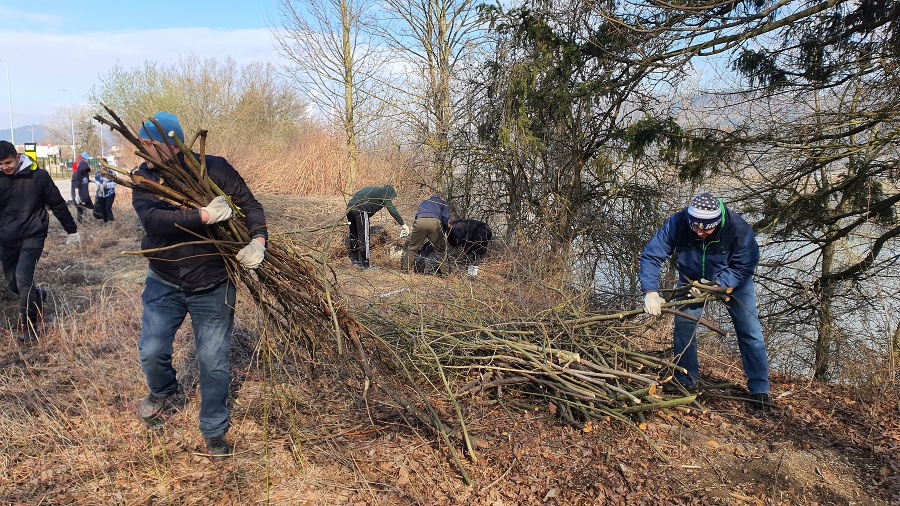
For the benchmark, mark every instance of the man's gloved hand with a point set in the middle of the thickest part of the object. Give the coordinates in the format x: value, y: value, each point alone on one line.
x: 251, y: 255
x: 73, y: 239
x: 217, y: 210
x: 77, y: 199
x: 697, y: 292
x: 404, y: 231
x: 653, y: 303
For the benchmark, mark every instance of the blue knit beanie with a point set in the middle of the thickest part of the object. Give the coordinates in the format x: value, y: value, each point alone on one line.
x: 168, y: 122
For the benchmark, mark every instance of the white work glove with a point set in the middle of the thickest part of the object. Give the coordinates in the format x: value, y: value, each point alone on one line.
x: 404, y: 231
x: 696, y: 292
x: 218, y: 210
x: 251, y: 255
x: 73, y: 239
x: 77, y: 199
x: 653, y: 303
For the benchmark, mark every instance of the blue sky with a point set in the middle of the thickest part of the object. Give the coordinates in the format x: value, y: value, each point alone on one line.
x: 67, y: 44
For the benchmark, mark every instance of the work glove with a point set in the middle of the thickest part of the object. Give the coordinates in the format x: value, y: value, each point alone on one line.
x: 218, y: 210
x: 697, y: 292
x: 77, y: 200
x: 653, y: 303
x: 251, y: 255
x: 73, y: 239
x: 404, y: 231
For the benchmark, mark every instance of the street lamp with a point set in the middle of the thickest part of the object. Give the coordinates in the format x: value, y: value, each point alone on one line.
x: 12, y: 134
x: 72, y: 117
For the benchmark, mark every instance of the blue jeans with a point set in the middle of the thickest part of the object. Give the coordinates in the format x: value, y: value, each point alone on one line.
x: 744, y: 315
x: 18, y: 268
x: 212, y: 316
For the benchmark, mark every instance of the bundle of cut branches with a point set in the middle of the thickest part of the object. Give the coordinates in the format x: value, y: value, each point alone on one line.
x: 293, y: 289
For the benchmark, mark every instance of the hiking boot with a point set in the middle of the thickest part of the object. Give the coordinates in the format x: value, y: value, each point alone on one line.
x: 759, y: 402
x: 152, y: 408
x: 218, y: 448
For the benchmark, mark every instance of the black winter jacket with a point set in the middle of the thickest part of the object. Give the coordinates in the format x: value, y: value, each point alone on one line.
x: 192, y: 267
x: 24, y: 197
x: 81, y: 178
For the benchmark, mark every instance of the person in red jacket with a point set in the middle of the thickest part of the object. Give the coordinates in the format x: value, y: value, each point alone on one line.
x: 26, y: 191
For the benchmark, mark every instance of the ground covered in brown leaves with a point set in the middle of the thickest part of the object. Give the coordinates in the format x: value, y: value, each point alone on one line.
x: 68, y: 433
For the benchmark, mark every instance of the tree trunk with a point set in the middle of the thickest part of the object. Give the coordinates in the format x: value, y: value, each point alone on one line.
x: 895, y: 346
x: 349, y: 118
x: 825, y: 329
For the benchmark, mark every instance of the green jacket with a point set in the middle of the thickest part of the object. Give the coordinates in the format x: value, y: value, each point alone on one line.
x: 371, y: 199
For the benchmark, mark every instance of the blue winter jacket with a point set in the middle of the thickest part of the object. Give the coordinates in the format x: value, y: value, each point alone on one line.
x: 729, y: 256
x: 435, y: 207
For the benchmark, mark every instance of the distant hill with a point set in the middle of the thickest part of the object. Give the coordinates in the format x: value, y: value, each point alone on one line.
x: 27, y: 133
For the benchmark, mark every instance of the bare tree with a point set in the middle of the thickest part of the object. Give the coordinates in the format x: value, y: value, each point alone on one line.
x: 73, y: 124
x: 334, y: 62
x: 431, y: 38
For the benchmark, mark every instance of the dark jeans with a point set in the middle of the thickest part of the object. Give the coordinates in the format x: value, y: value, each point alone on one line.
x: 103, y: 205
x: 358, y: 243
x: 18, y: 268
x: 83, y: 207
x: 212, y: 316
x: 744, y: 315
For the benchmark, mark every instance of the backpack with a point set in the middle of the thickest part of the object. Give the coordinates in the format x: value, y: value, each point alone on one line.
x: 426, y: 261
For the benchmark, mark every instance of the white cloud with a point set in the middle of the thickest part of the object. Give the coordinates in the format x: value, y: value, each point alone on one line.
x: 15, y: 17
x: 40, y: 65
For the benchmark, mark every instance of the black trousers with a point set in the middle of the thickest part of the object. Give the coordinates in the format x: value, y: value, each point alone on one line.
x: 18, y: 268
x: 104, y: 208
x: 358, y: 242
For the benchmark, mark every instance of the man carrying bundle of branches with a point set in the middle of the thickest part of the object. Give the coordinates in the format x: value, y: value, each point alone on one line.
x: 187, y: 274
x: 711, y: 243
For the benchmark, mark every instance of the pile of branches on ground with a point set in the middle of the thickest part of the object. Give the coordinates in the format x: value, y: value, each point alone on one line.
x: 583, y: 366
x: 576, y: 364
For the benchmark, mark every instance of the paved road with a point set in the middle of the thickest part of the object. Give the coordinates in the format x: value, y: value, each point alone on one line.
x: 65, y: 187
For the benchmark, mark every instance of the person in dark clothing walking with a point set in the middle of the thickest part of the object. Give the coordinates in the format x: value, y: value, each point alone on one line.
x: 26, y: 191
x: 186, y: 276
x: 474, y: 237
x: 81, y: 179
x: 711, y: 243
x: 431, y: 225
x: 364, y: 203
